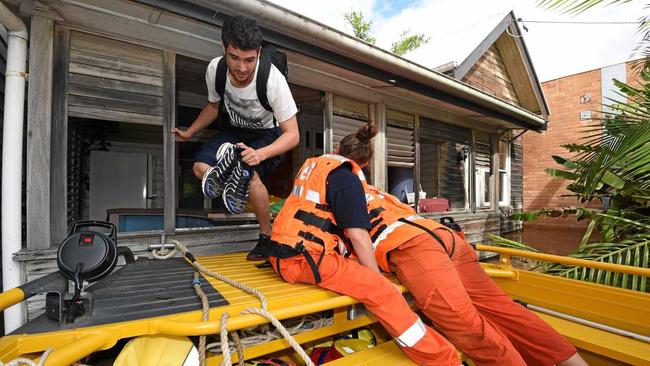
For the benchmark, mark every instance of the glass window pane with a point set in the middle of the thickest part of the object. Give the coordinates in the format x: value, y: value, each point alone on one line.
x: 400, y: 183
x: 429, y: 167
x: 503, y: 183
x: 486, y: 187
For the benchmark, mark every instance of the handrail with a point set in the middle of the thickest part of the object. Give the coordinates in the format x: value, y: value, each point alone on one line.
x: 187, y: 328
x: 78, y: 349
x: 506, y: 253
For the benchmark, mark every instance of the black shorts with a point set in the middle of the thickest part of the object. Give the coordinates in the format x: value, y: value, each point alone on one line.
x: 252, y: 138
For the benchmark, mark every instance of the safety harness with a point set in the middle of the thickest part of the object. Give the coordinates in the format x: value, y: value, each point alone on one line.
x: 305, y: 226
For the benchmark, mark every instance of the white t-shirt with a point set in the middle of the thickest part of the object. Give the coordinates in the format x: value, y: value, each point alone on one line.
x: 244, y: 108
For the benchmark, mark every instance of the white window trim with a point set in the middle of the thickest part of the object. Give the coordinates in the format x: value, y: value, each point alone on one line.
x: 466, y: 177
x: 505, y: 201
x: 479, y: 174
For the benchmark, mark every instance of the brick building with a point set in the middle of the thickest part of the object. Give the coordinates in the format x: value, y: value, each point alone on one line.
x: 574, y: 102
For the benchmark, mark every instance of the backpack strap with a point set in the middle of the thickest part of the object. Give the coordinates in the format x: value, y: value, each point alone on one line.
x: 263, y: 76
x: 220, y: 77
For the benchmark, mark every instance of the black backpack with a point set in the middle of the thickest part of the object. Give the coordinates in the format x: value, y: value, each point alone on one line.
x: 269, y: 55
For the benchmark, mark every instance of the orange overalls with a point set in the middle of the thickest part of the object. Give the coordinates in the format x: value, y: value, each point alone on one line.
x: 441, y: 271
x: 307, y: 247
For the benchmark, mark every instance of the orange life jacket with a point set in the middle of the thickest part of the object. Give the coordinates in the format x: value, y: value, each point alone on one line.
x: 394, y: 223
x: 306, y: 225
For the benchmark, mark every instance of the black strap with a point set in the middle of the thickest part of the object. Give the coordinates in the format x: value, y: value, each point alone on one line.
x: 277, y: 266
x: 375, y: 212
x: 220, y: 88
x: 325, y: 225
x: 378, y: 232
x: 283, y: 251
x: 430, y: 232
x: 323, y: 207
x: 311, y: 237
x: 263, y: 71
x: 261, y: 81
x: 376, y: 222
x: 220, y: 78
x: 313, y: 265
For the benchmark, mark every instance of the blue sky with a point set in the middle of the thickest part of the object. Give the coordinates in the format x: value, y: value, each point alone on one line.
x: 457, y: 26
x: 388, y: 8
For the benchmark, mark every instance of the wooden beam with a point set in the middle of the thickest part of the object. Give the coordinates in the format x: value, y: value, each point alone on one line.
x: 472, y: 174
x: 39, y: 119
x: 522, y: 82
x: 494, y: 179
x: 328, y: 113
x: 416, y: 170
x: 379, y: 161
x: 59, y: 148
x: 169, y: 143
x: 128, y: 20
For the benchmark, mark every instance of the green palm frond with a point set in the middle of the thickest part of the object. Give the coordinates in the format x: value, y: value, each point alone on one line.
x: 498, y: 241
x: 575, y: 6
x: 634, y: 251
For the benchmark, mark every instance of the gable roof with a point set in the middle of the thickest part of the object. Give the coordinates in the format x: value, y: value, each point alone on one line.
x: 509, y: 41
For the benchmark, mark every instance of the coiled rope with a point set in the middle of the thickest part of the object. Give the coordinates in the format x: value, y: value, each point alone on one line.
x: 25, y: 361
x: 164, y: 253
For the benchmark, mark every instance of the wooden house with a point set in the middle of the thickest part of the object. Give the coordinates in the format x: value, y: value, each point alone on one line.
x: 109, y: 79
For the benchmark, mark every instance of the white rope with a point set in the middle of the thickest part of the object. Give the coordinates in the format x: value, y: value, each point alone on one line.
x: 25, y: 361
x: 263, y: 311
x: 205, y: 316
x: 263, y: 334
x: 164, y: 253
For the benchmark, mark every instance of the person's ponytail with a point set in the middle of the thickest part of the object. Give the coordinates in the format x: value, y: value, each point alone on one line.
x: 358, y: 146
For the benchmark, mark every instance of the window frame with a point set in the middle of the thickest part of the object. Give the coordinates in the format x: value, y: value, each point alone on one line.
x: 507, y: 171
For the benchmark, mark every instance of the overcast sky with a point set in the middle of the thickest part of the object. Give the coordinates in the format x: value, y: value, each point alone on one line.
x: 456, y: 27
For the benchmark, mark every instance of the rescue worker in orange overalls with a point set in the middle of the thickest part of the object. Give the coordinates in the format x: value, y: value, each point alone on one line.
x: 441, y: 271
x: 321, y: 222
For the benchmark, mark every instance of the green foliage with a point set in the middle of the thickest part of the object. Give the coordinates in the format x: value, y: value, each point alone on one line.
x: 633, y: 251
x: 362, y: 30
x: 360, y: 25
x: 576, y: 6
x: 507, y: 243
x: 409, y: 43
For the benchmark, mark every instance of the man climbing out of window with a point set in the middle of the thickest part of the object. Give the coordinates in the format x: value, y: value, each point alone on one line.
x: 249, y: 95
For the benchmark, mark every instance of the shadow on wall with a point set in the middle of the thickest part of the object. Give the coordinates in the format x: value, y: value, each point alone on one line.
x: 544, y: 198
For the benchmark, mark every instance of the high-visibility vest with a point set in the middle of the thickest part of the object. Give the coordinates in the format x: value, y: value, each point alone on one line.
x: 394, y: 223
x: 306, y: 224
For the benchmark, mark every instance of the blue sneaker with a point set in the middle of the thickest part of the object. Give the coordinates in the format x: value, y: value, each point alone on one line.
x: 214, y: 180
x: 235, y: 194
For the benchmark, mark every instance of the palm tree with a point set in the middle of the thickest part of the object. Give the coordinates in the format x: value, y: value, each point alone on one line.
x: 611, y: 164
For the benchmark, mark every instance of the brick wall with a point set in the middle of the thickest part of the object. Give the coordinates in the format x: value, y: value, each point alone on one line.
x: 567, y: 97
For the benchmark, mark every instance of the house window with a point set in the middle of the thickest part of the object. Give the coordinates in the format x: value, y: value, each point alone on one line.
x: 430, y: 166
x: 400, y: 155
x: 482, y: 187
x: 504, y: 173
x: 444, y: 157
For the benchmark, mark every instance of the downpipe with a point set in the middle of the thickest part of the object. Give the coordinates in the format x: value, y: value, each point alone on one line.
x: 12, y: 162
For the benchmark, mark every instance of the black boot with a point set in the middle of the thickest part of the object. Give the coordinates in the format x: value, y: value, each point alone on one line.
x: 259, y: 253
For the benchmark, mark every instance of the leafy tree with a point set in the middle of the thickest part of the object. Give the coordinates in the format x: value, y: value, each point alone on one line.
x: 408, y: 42
x: 360, y: 25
